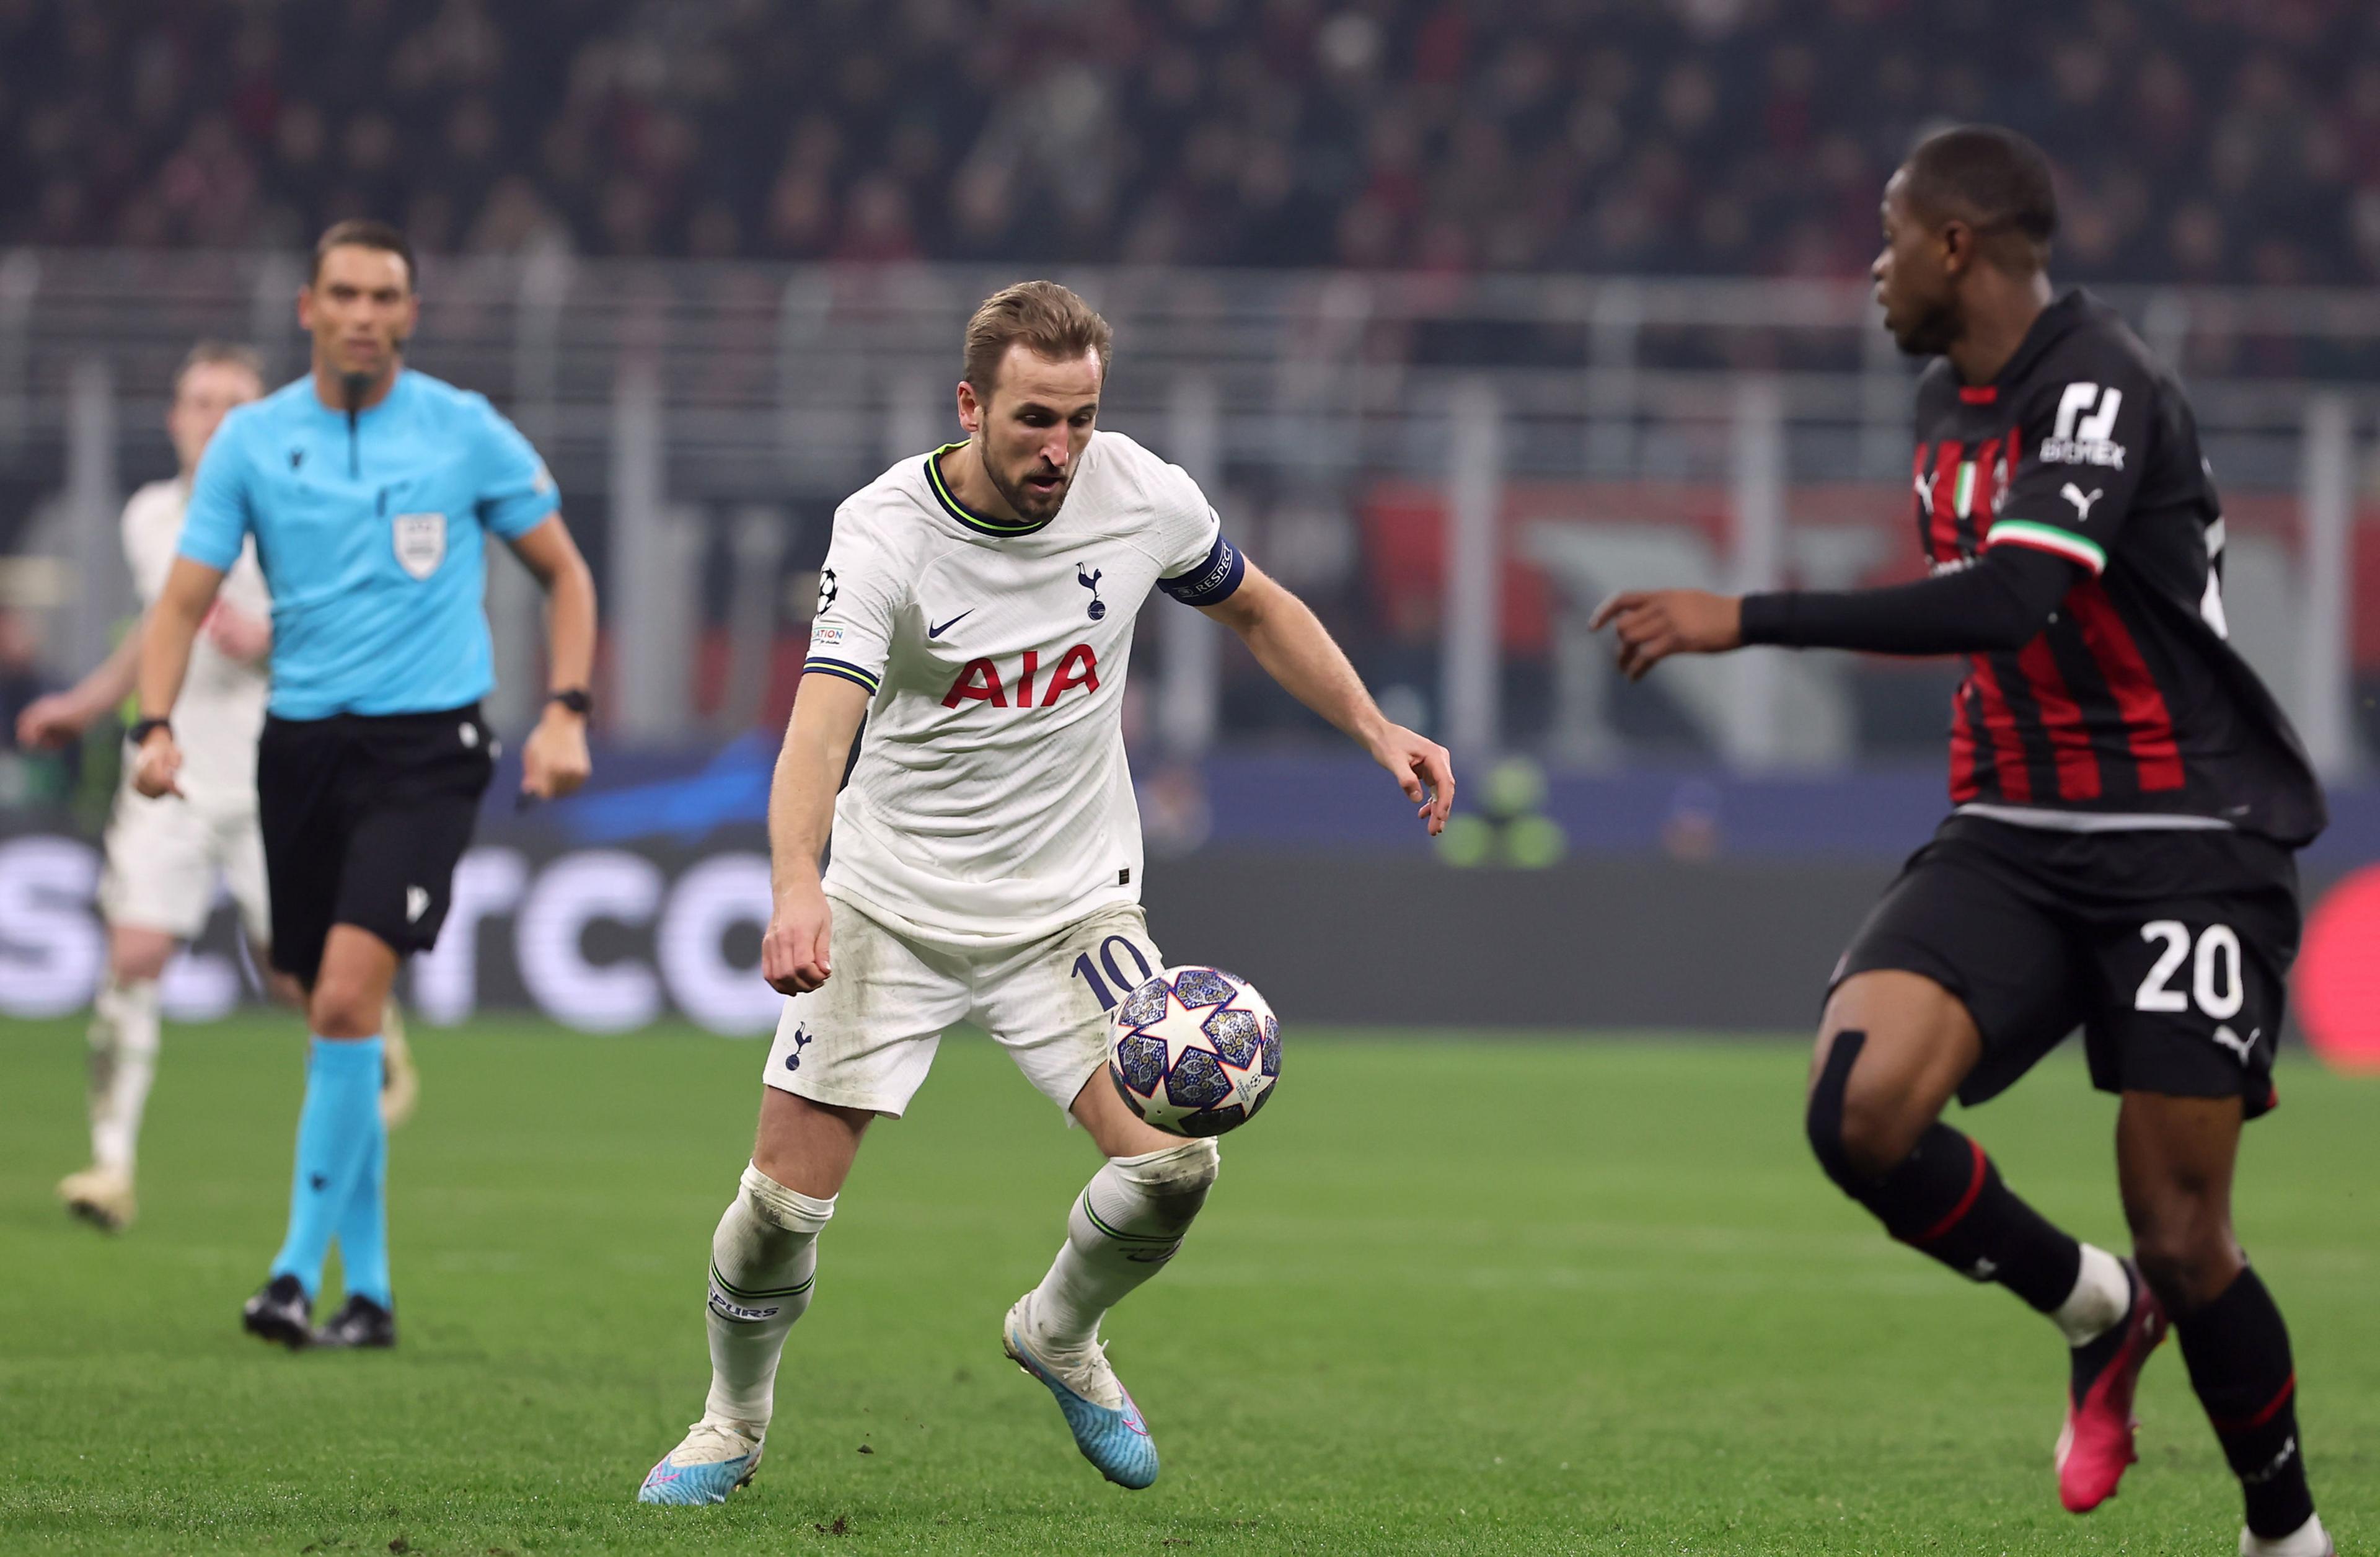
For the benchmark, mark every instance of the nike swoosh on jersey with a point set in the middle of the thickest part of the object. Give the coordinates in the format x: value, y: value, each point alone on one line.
x: 932, y: 631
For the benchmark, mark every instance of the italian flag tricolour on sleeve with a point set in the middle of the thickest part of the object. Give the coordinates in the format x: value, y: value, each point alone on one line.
x: 2049, y: 538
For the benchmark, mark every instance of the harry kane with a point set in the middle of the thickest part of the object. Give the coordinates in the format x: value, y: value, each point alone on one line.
x: 978, y: 604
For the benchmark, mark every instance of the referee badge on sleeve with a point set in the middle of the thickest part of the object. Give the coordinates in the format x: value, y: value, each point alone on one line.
x: 420, y: 543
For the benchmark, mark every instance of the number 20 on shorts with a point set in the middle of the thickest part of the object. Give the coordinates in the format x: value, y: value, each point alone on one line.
x: 2217, y: 982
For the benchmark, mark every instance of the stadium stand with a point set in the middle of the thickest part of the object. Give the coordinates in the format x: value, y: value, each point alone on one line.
x: 2211, y: 140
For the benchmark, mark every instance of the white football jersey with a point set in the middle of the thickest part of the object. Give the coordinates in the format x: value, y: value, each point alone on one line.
x: 220, y: 711
x: 992, y: 803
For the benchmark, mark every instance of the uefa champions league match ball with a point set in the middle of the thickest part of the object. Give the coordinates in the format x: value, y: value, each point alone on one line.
x: 1194, y: 1051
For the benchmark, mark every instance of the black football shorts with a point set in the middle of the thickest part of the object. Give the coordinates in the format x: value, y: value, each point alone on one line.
x: 364, y: 820
x: 2169, y: 949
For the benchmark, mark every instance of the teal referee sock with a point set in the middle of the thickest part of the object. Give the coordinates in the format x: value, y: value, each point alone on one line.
x: 363, y: 1226
x: 339, y: 1133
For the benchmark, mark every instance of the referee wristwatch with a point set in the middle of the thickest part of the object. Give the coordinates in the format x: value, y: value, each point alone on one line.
x: 575, y: 698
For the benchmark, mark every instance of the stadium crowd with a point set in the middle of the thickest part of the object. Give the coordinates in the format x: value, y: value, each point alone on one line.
x: 2199, y: 139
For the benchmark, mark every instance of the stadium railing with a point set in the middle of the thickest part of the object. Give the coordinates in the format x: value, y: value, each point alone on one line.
x: 1453, y: 466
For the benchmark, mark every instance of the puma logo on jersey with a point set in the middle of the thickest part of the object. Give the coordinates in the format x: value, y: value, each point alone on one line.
x: 1090, y: 580
x: 417, y: 903
x: 2081, y: 439
x: 979, y: 680
x: 2073, y: 494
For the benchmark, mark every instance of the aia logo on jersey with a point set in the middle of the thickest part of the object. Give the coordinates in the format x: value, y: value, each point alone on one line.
x: 979, y: 680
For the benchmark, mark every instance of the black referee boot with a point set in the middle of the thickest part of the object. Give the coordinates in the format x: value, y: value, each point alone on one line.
x: 361, y: 1323
x: 280, y: 1311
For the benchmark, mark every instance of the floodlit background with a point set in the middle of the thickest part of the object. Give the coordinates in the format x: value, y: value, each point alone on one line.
x: 1464, y: 314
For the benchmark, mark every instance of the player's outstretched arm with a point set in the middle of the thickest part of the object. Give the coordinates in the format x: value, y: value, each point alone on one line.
x: 1999, y: 603
x: 59, y: 717
x: 165, y: 639
x: 1652, y: 625
x: 1297, y: 651
x: 554, y: 758
x: 795, y: 956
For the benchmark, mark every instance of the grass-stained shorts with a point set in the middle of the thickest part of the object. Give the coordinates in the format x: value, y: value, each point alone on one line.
x: 867, y: 1037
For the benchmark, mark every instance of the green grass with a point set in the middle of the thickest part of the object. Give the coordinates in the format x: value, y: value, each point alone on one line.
x: 1449, y: 1295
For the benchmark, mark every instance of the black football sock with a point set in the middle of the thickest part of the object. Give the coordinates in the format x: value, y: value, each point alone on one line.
x: 2238, y: 1350
x: 1946, y: 1200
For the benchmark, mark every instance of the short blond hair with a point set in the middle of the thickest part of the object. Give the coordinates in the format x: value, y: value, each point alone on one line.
x: 220, y: 354
x: 1048, y: 320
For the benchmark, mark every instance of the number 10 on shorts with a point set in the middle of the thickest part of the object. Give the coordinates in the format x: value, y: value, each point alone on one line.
x: 1118, y: 983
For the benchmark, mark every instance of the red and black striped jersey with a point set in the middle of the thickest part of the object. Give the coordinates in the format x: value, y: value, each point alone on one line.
x: 2131, y: 702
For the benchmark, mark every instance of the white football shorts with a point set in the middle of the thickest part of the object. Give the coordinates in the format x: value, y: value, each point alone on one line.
x: 164, y: 856
x: 867, y: 1037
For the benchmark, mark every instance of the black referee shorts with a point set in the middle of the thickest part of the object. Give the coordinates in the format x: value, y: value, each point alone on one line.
x: 364, y: 820
x: 2170, y: 949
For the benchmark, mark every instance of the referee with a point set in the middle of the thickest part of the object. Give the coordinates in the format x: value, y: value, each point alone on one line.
x: 367, y: 488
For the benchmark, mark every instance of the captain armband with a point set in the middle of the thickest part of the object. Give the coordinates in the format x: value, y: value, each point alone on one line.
x: 1212, y: 581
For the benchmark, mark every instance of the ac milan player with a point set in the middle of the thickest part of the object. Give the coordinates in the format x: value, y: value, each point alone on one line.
x: 2127, y: 798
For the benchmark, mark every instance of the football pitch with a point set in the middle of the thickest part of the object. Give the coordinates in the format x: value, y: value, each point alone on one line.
x: 1452, y: 1293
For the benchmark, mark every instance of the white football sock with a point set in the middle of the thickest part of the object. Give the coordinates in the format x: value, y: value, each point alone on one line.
x: 763, y: 1259
x: 123, y: 1063
x: 2309, y: 1539
x: 1125, y: 1225
x: 2102, y: 1297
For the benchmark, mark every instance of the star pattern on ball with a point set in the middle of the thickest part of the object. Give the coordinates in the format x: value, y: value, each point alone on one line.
x: 1194, y: 1051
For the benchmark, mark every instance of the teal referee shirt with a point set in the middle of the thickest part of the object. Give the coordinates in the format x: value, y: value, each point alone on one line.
x: 369, y: 531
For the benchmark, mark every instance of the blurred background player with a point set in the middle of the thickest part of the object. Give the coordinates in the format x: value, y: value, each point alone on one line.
x: 987, y: 850
x: 2128, y: 799
x: 165, y: 855
x: 366, y: 488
